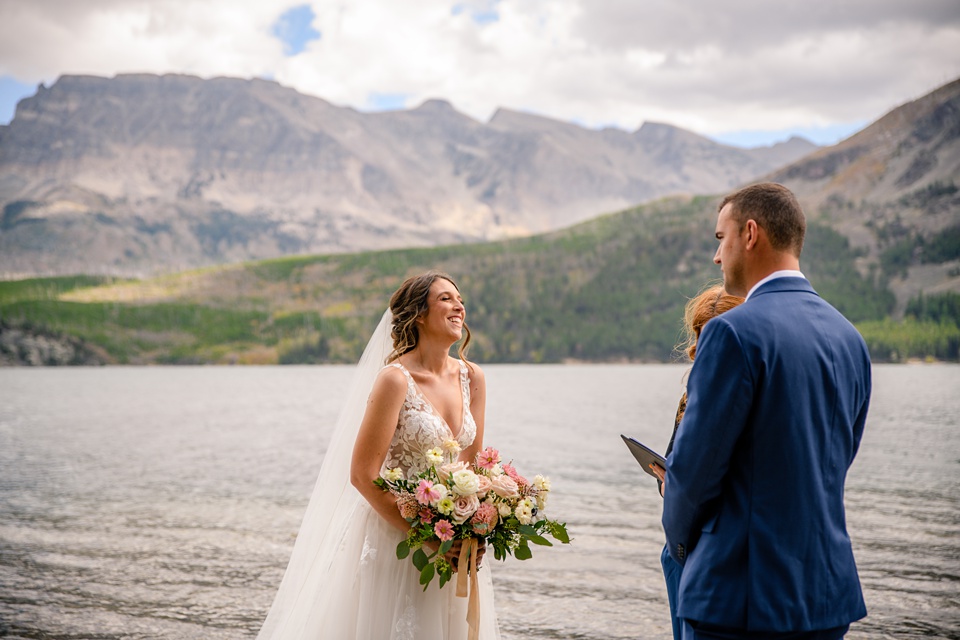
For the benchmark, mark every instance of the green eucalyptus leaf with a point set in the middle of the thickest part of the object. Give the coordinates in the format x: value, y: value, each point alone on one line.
x: 559, y: 531
x: 403, y: 549
x: 540, y: 540
x: 420, y: 559
x: 426, y: 575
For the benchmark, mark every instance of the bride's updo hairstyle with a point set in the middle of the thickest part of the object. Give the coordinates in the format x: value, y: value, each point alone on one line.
x: 410, y: 302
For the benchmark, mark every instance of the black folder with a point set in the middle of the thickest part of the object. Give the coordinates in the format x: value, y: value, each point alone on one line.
x: 644, y: 455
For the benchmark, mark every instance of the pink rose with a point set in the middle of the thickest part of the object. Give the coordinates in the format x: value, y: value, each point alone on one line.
x: 485, y: 486
x: 504, y: 486
x: 449, y: 469
x: 444, y: 530
x: 485, y: 519
x: 464, y: 507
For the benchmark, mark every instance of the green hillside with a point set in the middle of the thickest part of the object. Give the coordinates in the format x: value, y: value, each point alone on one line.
x: 611, y: 289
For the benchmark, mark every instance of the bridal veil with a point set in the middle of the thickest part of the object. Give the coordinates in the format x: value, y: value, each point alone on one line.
x: 332, y: 505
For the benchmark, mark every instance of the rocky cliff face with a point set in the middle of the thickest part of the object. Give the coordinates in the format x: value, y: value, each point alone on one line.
x: 141, y: 173
x: 893, y: 190
x: 911, y: 147
x: 33, y: 347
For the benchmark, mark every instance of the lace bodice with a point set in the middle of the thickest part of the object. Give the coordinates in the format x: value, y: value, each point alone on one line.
x: 420, y: 428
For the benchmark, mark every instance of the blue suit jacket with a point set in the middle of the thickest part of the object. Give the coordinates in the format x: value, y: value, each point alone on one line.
x: 753, y: 505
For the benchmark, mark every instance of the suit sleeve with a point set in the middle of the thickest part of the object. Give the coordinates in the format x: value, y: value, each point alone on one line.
x: 861, y: 420
x: 719, y: 397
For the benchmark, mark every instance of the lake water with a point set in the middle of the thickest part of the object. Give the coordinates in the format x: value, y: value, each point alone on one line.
x: 163, y: 502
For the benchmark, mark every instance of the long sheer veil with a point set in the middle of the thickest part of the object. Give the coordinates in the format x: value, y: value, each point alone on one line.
x: 331, y: 505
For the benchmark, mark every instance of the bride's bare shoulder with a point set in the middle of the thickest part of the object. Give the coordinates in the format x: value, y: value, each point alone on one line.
x: 391, y: 380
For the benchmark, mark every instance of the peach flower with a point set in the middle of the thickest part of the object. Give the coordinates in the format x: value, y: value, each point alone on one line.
x: 464, y: 507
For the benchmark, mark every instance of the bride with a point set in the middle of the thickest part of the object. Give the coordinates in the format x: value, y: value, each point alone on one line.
x: 344, y: 581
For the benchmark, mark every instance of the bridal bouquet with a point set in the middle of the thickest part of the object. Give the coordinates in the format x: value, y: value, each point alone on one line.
x: 455, y: 500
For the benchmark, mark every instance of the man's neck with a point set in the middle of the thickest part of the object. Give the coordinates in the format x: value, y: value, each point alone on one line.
x: 782, y: 273
x: 766, y: 263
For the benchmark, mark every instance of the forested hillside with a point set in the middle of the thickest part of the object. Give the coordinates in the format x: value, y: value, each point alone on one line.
x: 611, y: 289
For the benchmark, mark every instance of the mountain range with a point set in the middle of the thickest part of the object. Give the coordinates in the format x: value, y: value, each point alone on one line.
x: 883, y: 246
x: 141, y: 174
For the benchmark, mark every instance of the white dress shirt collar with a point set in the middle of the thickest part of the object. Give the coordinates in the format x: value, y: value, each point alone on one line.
x: 786, y: 273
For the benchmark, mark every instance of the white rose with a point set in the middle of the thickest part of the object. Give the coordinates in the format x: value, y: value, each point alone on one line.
x: 497, y: 470
x: 465, y: 482
x: 524, y: 511
x: 442, y: 492
x: 463, y: 508
x: 504, y: 509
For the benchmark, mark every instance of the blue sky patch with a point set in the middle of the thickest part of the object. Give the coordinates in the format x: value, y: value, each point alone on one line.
x: 387, y: 101
x: 11, y: 92
x: 823, y: 136
x: 481, y: 16
x: 295, y: 29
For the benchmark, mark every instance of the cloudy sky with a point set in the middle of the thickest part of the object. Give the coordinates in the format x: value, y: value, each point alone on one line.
x: 743, y: 71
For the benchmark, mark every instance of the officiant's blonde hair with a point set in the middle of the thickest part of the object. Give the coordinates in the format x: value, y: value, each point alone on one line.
x: 409, y: 302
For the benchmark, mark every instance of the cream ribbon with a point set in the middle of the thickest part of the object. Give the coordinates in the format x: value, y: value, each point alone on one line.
x: 467, y: 564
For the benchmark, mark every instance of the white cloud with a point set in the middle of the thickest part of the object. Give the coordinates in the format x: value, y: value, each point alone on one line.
x: 43, y: 39
x: 711, y: 67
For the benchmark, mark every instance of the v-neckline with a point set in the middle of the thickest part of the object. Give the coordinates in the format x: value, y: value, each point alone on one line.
x: 433, y: 409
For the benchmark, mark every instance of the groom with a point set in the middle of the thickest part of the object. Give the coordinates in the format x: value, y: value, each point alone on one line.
x: 776, y: 404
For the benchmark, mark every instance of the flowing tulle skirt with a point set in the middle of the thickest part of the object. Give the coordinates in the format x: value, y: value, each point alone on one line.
x: 371, y: 595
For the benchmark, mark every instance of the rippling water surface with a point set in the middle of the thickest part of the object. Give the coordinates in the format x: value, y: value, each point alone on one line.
x: 163, y: 502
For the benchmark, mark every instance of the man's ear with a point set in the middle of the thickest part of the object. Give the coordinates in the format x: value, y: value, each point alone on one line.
x: 753, y: 234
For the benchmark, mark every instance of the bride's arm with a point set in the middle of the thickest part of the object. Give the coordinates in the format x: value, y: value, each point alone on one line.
x: 373, y: 441
x: 478, y: 407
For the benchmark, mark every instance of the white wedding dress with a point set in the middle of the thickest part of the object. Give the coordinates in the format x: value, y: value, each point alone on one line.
x: 352, y: 586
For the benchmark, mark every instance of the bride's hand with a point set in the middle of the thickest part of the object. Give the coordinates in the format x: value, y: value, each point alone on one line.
x: 481, y: 549
x: 453, y: 555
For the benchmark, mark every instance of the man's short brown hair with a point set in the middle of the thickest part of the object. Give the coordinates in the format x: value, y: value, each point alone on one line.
x: 775, y: 209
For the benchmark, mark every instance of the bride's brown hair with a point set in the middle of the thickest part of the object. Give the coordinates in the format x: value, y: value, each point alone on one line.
x: 410, y: 302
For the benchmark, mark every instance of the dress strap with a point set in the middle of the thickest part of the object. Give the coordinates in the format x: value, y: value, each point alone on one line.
x: 465, y: 383
x: 411, y: 385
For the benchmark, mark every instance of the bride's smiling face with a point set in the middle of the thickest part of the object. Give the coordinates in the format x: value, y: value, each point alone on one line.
x: 445, y: 311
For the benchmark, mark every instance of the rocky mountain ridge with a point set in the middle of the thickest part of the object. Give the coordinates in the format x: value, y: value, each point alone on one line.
x: 141, y: 174
x: 893, y: 189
